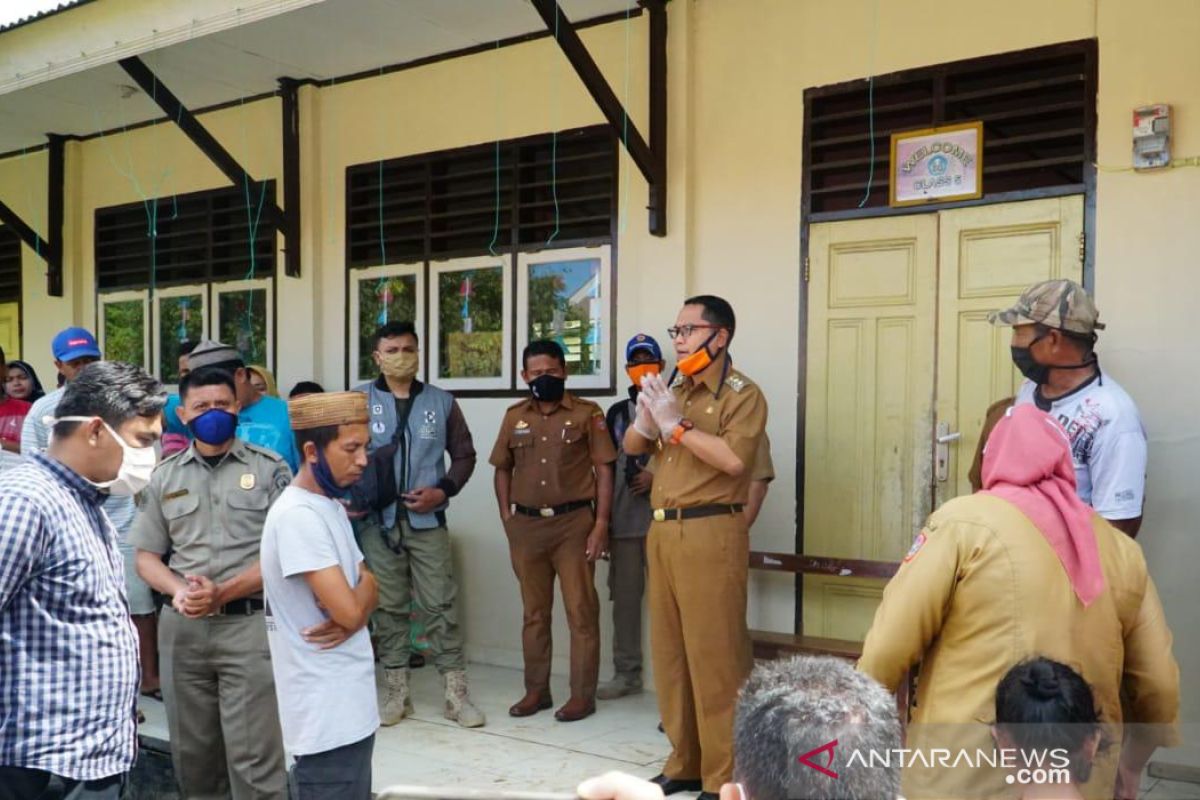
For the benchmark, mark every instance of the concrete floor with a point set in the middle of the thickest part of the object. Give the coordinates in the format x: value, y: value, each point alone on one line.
x: 535, y: 753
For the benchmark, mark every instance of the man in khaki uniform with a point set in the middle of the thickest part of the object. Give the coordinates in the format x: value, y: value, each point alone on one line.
x: 206, y: 506
x: 981, y: 590
x: 554, y: 484
x: 705, y: 433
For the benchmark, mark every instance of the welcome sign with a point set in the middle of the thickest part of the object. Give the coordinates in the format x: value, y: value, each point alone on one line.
x: 937, y: 165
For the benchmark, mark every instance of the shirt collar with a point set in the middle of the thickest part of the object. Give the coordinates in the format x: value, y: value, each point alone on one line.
x: 382, y: 385
x: 567, y: 403
x: 238, y: 451
x: 71, y: 479
x: 714, y: 376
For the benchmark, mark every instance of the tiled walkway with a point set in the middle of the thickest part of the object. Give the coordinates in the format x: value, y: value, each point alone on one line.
x: 535, y: 753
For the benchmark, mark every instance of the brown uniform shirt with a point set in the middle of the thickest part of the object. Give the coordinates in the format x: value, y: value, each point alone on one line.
x: 552, y: 456
x: 733, y: 409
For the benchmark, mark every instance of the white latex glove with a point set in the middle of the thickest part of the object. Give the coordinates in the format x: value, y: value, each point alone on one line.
x: 643, y: 421
x: 661, y: 402
x: 618, y: 786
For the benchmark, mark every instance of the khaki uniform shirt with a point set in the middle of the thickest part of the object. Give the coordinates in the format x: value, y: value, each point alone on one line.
x: 764, y: 467
x: 733, y: 409
x: 552, y: 456
x: 982, y: 590
x: 210, y: 518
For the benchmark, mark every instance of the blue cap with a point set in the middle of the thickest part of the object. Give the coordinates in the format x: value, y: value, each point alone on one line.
x: 74, y: 343
x: 643, y: 342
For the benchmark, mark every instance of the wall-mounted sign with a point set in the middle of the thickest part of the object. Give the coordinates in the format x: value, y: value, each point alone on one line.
x: 937, y: 165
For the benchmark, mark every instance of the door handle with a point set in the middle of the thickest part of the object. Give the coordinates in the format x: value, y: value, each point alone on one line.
x: 944, y: 439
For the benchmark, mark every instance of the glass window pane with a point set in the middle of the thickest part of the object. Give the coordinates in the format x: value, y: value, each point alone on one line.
x: 243, y: 316
x: 124, y: 331
x: 179, y: 319
x: 380, y: 301
x: 471, y: 323
x: 564, y: 305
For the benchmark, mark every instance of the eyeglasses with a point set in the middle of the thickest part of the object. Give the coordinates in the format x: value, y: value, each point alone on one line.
x: 686, y: 330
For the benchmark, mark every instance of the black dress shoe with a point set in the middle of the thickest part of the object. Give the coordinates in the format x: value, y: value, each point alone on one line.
x: 672, y: 786
x: 707, y: 796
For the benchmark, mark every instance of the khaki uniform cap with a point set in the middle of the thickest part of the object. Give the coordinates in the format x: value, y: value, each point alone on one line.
x: 1060, y: 304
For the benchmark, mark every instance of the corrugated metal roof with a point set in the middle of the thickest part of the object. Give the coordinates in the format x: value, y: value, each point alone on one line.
x: 8, y: 24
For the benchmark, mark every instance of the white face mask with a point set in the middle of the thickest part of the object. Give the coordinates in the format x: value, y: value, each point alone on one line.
x: 137, y: 463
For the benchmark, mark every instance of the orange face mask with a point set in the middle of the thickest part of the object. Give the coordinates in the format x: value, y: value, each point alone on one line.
x: 639, y: 371
x: 699, y: 360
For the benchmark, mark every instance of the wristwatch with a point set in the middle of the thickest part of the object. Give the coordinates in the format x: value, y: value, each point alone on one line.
x: 680, y: 429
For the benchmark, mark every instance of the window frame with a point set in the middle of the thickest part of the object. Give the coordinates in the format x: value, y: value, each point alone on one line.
x: 354, y: 278
x: 154, y: 322
x: 604, y: 380
x: 506, y: 378
x: 125, y: 296
x: 231, y: 287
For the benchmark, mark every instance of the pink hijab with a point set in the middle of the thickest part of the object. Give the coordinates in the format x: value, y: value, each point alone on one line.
x: 1028, y: 463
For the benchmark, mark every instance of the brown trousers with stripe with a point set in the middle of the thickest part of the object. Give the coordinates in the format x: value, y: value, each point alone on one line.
x: 698, y: 639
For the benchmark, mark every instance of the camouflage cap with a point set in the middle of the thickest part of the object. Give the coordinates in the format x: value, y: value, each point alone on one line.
x: 1061, y: 304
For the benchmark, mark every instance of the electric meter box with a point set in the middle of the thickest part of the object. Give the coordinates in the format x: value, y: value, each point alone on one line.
x: 1152, y: 136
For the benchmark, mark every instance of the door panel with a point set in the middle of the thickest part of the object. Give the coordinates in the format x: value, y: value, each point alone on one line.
x: 987, y: 256
x: 872, y: 302
x: 10, y: 330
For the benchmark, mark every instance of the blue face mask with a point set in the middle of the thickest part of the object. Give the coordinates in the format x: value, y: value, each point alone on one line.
x: 324, y: 477
x: 215, y: 426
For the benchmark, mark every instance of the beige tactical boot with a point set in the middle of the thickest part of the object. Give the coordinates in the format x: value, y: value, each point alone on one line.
x: 620, y: 686
x: 458, y: 701
x: 395, y: 704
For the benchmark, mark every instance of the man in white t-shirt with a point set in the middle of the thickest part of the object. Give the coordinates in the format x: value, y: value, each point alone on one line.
x: 319, y: 596
x: 1054, y: 334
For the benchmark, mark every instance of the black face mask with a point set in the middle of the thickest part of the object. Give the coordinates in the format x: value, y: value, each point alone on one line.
x: 1036, y: 371
x: 1028, y: 365
x: 547, y: 388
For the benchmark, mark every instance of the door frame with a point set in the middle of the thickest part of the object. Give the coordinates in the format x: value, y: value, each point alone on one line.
x: 1090, y: 51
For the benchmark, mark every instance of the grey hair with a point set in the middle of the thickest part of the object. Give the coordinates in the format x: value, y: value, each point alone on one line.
x: 114, y: 391
x: 791, y: 707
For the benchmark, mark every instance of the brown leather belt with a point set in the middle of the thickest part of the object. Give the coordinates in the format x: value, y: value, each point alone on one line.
x: 552, y: 511
x: 696, y: 512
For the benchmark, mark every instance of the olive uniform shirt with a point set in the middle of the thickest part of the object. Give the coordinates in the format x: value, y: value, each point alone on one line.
x: 553, y: 456
x: 210, y: 518
x: 733, y: 409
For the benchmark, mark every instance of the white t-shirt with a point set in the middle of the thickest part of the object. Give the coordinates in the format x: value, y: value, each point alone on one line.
x: 1108, y: 445
x: 326, y: 697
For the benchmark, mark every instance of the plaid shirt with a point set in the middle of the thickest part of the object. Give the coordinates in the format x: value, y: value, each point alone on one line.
x: 68, y: 649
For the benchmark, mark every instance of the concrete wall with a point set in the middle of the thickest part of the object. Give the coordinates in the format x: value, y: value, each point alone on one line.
x: 737, y: 74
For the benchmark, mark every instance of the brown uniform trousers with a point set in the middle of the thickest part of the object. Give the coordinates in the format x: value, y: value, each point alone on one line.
x: 553, y: 458
x: 698, y: 573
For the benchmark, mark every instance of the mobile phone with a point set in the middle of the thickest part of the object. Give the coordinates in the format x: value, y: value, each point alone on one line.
x: 458, y: 793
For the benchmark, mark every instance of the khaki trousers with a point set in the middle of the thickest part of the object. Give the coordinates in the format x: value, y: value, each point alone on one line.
x: 421, y: 572
x: 698, y: 639
x: 542, y: 548
x: 221, y: 709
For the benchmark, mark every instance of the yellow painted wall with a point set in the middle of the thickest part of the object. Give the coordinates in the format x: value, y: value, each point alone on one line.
x: 737, y: 75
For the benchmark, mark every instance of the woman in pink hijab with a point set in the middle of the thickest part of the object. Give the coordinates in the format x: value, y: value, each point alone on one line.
x: 1020, y: 570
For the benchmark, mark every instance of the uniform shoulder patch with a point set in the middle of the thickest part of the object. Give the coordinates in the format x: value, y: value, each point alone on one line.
x: 262, y: 451
x: 917, y: 544
x: 598, y: 420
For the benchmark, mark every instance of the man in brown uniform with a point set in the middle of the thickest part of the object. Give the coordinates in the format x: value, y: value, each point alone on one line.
x: 554, y: 483
x: 705, y: 432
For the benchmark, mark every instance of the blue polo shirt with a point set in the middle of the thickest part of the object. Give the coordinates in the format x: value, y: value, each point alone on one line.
x: 267, y: 424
